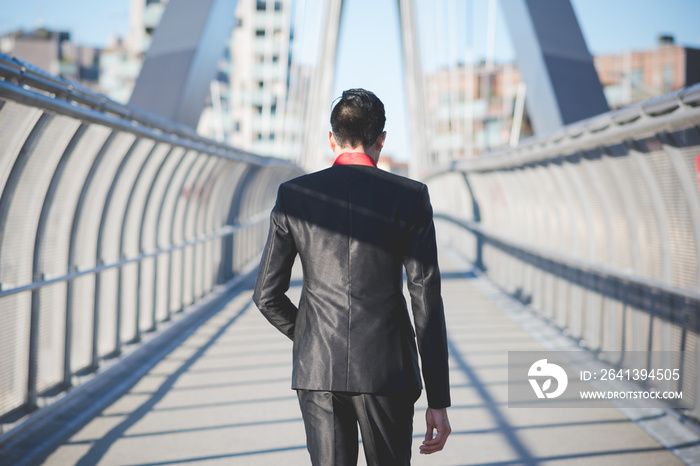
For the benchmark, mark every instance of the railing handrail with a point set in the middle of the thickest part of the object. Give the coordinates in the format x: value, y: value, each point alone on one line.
x: 221, y: 232
x: 570, y: 261
x: 669, y: 110
x: 26, y: 83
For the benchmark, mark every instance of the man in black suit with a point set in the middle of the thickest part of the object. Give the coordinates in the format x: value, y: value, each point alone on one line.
x: 355, y: 361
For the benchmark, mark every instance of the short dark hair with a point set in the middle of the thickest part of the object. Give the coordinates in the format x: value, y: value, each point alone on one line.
x: 357, y: 117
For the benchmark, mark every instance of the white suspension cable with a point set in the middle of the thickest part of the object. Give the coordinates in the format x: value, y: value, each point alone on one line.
x: 469, y: 76
x: 490, y: 52
x: 454, y: 90
x: 217, y: 112
x: 294, y: 105
x: 518, y: 115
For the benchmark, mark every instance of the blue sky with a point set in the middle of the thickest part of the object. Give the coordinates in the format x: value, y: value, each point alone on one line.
x: 369, y: 52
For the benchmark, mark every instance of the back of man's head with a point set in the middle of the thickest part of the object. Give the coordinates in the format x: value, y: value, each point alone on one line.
x: 357, y: 118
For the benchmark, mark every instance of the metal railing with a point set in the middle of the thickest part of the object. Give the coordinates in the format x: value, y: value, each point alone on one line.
x: 597, y: 227
x: 111, y: 220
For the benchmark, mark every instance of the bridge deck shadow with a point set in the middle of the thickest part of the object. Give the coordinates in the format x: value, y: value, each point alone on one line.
x: 223, y: 397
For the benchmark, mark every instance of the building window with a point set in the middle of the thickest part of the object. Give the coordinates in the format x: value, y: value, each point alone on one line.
x: 259, y: 136
x: 237, y: 126
x: 668, y: 78
x: 261, y: 84
x: 275, y: 58
x: 272, y: 136
x: 273, y: 109
x: 636, y: 78
x: 259, y: 33
x: 278, y: 6
x: 261, y: 5
x: 258, y: 109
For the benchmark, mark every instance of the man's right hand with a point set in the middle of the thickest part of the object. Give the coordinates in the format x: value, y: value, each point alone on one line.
x: 435, y: 420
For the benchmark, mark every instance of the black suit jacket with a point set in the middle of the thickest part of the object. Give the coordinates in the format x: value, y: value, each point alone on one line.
x: 355, y: 228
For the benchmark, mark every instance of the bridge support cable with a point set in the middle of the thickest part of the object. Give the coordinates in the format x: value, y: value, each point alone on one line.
x: 414, y: 88
x: 314, y: 147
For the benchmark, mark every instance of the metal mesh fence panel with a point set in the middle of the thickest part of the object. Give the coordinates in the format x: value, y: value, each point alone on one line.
x: 52, y: 322
x: 681, y: 240
x: 95, y: 201
x: 16, y: 122
x: 26, y: 201
x: 83, y: 320
x: 14, y: 346
x: 95, y: 198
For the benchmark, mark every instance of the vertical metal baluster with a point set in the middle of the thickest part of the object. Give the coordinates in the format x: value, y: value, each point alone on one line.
x: 172, y: 230
x: 229, y: 248
x: 74, y: 238
x: 207, y: 253
x: 140, y: 247
x: 5, y: 201
x: 99, y: 261
x: 122, y: 255
x: 157, y: 235
x: 184, y: 236
x: 199, y: 253
x: 37, y: 273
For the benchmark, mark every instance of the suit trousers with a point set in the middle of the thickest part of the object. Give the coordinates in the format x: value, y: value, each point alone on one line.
x: 331, y: 420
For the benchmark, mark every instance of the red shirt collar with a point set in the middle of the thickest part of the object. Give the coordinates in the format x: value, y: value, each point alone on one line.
x: 354, y: 158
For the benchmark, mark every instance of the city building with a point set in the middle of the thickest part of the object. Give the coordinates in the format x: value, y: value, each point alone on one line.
x: 469, y: 110
x: 250, y: 103
x: 460, y: 127
x: 633, y: 76
x: 54, y: 52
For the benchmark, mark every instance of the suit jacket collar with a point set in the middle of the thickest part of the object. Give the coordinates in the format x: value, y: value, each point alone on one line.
x: 354, y: 158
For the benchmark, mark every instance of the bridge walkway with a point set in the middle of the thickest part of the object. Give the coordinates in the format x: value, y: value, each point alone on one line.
x: 223, y: 397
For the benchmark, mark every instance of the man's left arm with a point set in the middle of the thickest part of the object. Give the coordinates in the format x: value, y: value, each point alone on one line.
x: 423, y: 277
x: 275, y: 272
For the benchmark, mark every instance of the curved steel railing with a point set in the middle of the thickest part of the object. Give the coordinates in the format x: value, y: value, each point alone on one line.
x: 111, y: 221
x: 596, y: 227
